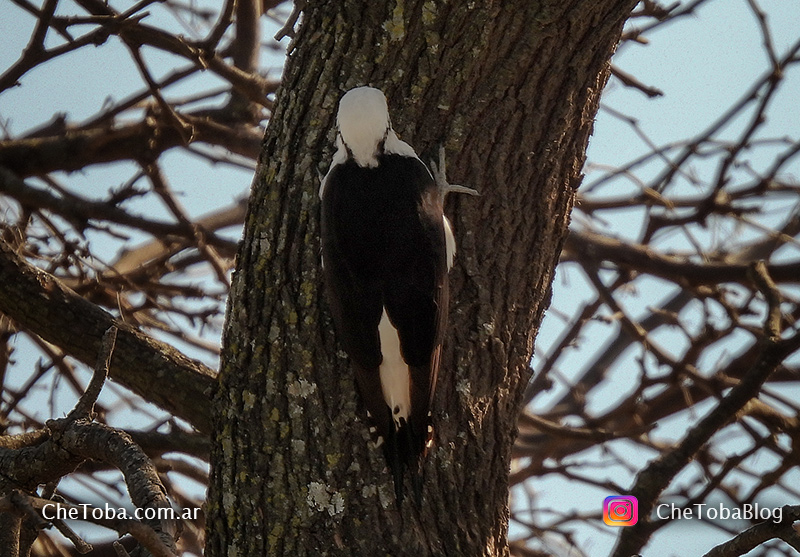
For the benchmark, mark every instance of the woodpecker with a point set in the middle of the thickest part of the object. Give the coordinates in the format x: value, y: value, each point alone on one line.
x: 386, y: 251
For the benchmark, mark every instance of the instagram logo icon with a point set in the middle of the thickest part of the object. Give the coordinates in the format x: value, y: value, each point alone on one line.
x: 620, y: 510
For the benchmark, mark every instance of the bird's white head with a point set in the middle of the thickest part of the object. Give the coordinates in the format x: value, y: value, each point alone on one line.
x: 363, y: 121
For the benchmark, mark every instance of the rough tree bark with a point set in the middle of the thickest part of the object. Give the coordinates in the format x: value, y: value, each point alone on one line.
x: 511, y: 89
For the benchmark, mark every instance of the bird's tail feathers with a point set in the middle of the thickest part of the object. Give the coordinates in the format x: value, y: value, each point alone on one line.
x: 405, y: 449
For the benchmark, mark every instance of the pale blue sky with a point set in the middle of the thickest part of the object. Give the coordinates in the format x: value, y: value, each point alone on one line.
x: 703, y: 64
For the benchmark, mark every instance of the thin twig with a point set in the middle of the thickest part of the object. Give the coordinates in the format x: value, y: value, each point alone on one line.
x: 85, y: 406
x: 288, y: 28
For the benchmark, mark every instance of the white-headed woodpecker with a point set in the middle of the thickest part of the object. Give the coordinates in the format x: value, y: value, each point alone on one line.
x: 386, y: 250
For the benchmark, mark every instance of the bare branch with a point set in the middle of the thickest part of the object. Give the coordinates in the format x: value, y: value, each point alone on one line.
x: 630, y: 81
x: 680, y: 270
x: 758, y: 534
x: 40, y: 303
x: 79, y: 211
x: 288, y: 28
x: 655, y: 478
x: 85, y: 407
x: 79, y: 148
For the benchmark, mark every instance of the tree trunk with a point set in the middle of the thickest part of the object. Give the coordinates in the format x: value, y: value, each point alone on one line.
x: 511, y: 89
